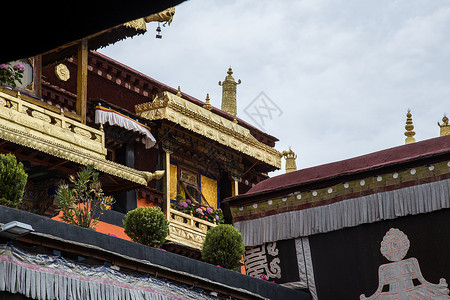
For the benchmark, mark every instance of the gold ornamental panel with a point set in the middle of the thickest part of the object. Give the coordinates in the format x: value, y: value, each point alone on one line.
x: 206, y: 123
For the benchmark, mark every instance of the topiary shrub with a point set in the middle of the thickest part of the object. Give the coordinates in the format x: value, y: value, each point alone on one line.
x: 223, y: 246
x: 147, y: 226
x: 12, y: 180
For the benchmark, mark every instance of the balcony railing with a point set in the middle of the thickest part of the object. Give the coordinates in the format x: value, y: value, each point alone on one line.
x: 186, y: 229
x: 30, y: 123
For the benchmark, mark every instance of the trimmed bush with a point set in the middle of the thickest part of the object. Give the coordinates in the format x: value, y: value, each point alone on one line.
x: 223, y: 246
x: 147, y: 226
x: 12, y: 180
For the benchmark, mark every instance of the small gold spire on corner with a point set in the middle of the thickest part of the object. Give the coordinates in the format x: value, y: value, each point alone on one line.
x: 235, y: 121
x: 445, y: 127
x: 179, y: 92
x: 290, y: 157
x: 207, y: 104
x: 409, y: 133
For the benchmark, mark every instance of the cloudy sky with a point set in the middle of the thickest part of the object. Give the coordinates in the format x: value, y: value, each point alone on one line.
x: 337, y: 77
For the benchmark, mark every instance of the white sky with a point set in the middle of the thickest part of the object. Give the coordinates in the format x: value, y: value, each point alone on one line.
x: 343, y: 73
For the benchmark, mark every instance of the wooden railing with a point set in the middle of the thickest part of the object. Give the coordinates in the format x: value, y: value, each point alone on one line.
x: 187, y: 229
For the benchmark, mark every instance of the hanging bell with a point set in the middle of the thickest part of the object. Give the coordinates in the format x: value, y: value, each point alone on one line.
x: 158, y: 32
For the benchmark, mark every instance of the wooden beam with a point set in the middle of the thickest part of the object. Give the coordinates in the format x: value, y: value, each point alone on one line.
x: 82, y: 72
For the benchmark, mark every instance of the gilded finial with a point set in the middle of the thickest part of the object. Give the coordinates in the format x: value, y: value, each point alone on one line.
x: 235, y: 121
x: 290, y: 157
x: 179, y: 92
x: 18, y: 95
x: 409, y: 133
x: 445, y: 127
x: 229, y: 103
x: 207, y: 104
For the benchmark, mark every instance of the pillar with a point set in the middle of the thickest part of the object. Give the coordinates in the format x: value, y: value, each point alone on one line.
x: 82, y: 71
x: 166, y: 205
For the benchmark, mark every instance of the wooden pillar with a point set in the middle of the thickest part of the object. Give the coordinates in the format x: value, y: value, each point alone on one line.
x: 82, y: 72
x: 235, y: 185
x: 235, y: 188
x: 166, y: 206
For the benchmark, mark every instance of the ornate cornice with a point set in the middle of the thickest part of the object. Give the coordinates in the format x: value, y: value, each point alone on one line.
x: 208, y: 124
x: 34, y: 127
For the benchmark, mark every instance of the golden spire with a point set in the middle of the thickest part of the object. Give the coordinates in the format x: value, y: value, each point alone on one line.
x: 409, y: 133
x: 445, y: 127
x: 179, y: 92
x: 229, y: 93
x: 290, y: 157
x: 207, y: 105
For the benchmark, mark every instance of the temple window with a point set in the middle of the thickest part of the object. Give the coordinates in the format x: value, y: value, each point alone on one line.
x: 193, y: 184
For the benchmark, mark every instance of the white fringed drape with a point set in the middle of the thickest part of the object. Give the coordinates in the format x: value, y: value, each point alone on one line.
x: 49, y: 277
x: 105, y: 115
x: 352, y: 212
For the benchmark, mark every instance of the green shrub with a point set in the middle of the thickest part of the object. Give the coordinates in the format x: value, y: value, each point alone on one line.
x: 83, y: 204
x: 147, y: 226
x: 223, y: 246
x: 12, y: 180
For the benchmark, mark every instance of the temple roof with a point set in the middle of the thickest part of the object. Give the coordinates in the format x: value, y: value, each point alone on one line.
x: 258, y: 134
x: 393, y: 158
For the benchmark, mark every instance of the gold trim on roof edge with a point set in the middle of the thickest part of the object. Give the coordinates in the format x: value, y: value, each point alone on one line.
x: 206, y: 123
x: 29, y: 125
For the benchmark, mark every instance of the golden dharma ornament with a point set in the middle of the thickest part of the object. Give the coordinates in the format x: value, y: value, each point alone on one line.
x: 62, y: 72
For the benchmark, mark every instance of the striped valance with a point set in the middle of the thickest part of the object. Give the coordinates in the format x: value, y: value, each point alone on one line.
x: 351, y: 212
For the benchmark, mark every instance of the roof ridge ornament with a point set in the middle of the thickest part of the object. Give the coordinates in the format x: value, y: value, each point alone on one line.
x: 290, y: 157
x: 409, y: 133
x: 207, y: 104
x: 229, y: 102
x: 445, y: 127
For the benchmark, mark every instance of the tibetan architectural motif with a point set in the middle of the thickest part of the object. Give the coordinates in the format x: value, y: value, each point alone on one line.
x: 444, y: 127
x: 229, y: 102
x: 403, y: 276
x: 409, y: 133
x: 43, y: 130
x: 204, y: 122
x: 146, y: 128
x: 187, y: 230
x: 290, y: 157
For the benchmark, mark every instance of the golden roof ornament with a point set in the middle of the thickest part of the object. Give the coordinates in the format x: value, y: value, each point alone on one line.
x: 445, y: 127
x: 229, y: 103
x: 207, y: 104
x: 409, y: 133
x: 179, y: 92
x: 290, y: 157
x: 163, y: 16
